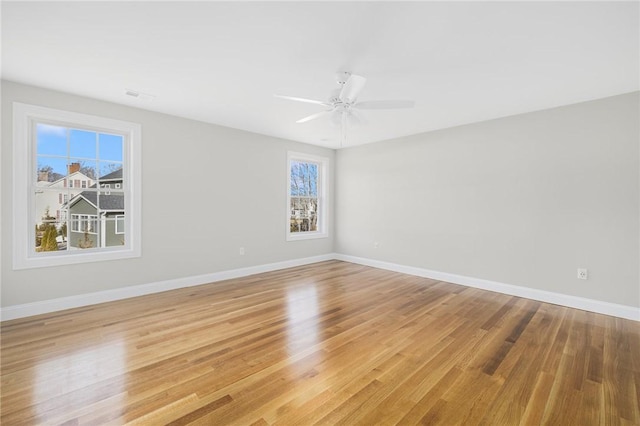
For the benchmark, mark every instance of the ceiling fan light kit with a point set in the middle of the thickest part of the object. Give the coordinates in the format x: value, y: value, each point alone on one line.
x: 346, y: 104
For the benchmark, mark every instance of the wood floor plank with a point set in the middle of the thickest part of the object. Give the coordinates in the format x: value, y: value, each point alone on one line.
x: 328, y: 343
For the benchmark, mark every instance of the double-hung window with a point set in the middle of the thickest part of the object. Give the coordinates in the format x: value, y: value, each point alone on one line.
x: 62, y: 160
x: 306, y: 196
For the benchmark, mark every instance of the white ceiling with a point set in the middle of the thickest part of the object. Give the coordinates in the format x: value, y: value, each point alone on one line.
x: 222, y: 62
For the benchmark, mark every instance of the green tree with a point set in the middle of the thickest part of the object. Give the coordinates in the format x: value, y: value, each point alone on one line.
x: 49, y: 242
x: 38, y: 237
x: 46, y: 233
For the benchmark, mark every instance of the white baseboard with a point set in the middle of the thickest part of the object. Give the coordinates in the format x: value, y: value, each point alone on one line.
x: 47, y: 306
x: 591, y: 305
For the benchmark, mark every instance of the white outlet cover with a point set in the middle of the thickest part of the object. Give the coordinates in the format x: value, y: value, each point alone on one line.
x: 583, y: 274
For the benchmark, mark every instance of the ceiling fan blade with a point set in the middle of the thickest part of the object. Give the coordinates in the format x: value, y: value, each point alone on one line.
x: 336, y: 117
x: 352, y: 88
x: 385, y: 104
x: 309, y: 101
x: 313, y: 116
x: 356, y: 118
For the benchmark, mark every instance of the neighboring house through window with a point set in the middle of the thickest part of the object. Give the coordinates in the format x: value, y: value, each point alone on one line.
x: 62, y: 160
x: 306, y: 196
x: 108, y: 205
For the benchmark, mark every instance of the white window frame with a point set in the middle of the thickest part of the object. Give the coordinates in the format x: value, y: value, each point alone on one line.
x: 24, y: 160
x: 323, y: 199
x: 119, y: 217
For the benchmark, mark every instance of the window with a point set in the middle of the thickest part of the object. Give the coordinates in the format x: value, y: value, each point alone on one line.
x: 84, y: 223
x: 306, y: 197
x: 49, y: 146
x: 119, y: 224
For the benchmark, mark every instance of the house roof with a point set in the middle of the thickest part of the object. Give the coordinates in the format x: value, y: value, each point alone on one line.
x: 72, y: 176
x: 115, y: 175
x: 107, y: 202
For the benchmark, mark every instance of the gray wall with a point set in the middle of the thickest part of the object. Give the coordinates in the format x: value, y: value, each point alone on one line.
x: 113, y: 239
x: 523, y: 200
x: 207, y: 191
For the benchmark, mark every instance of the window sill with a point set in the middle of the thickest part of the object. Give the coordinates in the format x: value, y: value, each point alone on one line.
x: 306, y: 236
x: 65, y: 258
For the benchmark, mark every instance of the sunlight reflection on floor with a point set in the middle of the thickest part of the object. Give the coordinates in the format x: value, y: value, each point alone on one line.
x: 72, y: 372
x: 302, y: 312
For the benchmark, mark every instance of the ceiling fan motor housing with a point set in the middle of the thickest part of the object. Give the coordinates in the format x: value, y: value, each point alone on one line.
x: 342, y: 77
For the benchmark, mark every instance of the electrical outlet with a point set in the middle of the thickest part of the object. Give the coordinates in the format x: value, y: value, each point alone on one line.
x: 241, y: 251
x: 583, y: 274
x: 376, y: 245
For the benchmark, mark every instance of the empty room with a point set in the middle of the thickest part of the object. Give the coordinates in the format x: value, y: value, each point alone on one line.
x: 331, y: 213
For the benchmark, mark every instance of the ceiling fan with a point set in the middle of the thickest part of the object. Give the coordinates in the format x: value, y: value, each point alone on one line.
x: 343, y: 103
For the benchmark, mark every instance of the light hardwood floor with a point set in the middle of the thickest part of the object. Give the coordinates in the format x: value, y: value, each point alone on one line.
x: 330, y: 343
